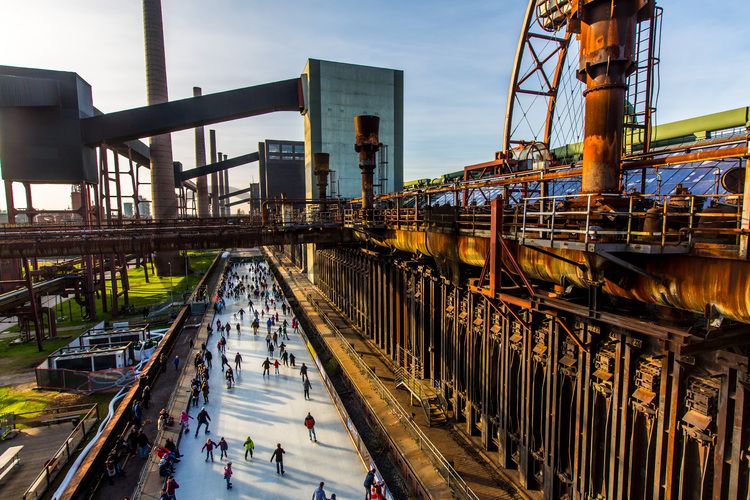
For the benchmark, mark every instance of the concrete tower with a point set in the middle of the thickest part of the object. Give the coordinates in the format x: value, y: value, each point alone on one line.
x: 163, y: 198
x: 214, y: 176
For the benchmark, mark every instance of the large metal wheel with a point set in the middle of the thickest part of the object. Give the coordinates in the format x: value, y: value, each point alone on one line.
x: 545, y: 102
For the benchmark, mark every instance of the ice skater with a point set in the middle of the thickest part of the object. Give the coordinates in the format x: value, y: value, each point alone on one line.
x: 223, y: 447
x: 307, y: 386
x: 203, y: 418
x: 302, y: 371
x: 209, y: 446
x: 266, y: 367
x: 278, y: 454
x: 238, y: 362
x: 228, y: 474
x: 310, y: 424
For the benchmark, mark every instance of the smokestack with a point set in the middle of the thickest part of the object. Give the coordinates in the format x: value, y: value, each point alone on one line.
x: 367, y: 145
x: 221, y: 187
x: 214, y: 176
x: 163, y: 198
x: 227, y: 209
x: 607, y: 32
x: 321, y: 169
x: 200, y: 160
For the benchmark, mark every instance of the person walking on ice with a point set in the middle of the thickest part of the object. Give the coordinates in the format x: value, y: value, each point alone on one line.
x: 278, y: 454
x: 224, y: 361
x: 276, y: 366
x: 291, y: 360
x: 310, y: 424
x: 306, y: 385
x: 238, y: 362
x: 209, y: 447
x: 303, y: 371
x: 249, y: 445
x: 266, y: 367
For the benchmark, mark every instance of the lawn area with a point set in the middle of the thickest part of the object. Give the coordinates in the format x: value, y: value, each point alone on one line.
x: 29, y: 401
x: 22, y: 401
x: 15, y: 358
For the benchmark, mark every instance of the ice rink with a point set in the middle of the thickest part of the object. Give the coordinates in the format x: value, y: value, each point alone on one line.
x: 271, y: 410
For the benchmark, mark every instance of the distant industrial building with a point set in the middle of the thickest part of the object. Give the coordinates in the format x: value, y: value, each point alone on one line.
x: 334, y: 94
x: 282, y: 169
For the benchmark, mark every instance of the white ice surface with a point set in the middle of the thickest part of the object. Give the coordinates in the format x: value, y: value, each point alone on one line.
x: 270, y: 410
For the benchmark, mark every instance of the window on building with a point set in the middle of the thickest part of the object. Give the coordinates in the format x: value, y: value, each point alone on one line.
x: 274, y: 148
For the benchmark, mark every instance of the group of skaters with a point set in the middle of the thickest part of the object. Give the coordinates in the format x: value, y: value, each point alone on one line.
x: 257, y: 287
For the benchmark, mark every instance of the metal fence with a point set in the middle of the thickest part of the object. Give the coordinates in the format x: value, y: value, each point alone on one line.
x: 63, y: 455
x: 454, y: 480
x: 84, y: 381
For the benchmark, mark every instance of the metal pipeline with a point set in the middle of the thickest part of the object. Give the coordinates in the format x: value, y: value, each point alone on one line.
x: 687, y: 282
x: 607, y: 32
x: 321, y: 168
x: 367, y: 145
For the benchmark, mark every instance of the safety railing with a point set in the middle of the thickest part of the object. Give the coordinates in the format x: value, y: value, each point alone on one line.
x: 62, y: 456
x: 665, y: 220
x: 454, y: 480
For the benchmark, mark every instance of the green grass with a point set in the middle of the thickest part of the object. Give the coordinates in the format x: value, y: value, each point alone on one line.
x: 15, y: 358
x: 23, y: 401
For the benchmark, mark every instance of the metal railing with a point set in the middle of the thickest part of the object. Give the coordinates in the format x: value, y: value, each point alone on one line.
x: 454, y: 480
x: 63, y: 455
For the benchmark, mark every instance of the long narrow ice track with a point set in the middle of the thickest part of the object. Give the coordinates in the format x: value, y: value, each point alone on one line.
x: 271, y: 410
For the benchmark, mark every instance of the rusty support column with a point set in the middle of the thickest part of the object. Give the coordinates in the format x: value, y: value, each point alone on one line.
x: 214, y: 175
x: 34, y: 305
x: 163, y: 199
x: 607, y: 33
x: 496, y: 252
x: 367, y: 145
x: 201, y: 182
x: 321, y: 169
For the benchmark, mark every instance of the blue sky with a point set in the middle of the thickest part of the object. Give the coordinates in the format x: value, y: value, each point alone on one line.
x: 456, y: 57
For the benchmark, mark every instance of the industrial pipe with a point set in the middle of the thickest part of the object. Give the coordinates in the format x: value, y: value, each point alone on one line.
x: 607, y: 33
x: 321, y: 169
x: 367, y: 144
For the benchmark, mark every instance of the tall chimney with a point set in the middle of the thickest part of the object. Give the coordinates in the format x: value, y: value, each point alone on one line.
x: 607, y: 32
x: 321, y: 169
x: 214, y: 176
x: 163, y: 198
x: 226, y: 189
x: 200, y: 160
x: 221, y: 186
x: 367, y: 145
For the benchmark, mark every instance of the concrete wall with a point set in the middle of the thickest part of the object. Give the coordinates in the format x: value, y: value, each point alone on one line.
x: 335, y: 93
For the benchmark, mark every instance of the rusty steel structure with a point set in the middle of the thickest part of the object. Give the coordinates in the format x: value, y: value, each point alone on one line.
x: 321, y: 171
x: 367, y: 144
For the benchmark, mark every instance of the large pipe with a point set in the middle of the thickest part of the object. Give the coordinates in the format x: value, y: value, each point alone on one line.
x: 686, y: 282
x: 214, y: 175
x: 163, y: 198
x: 607, y: 57
x: 367, y: 144
x: 200, y: 160
x: 321, y: 169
